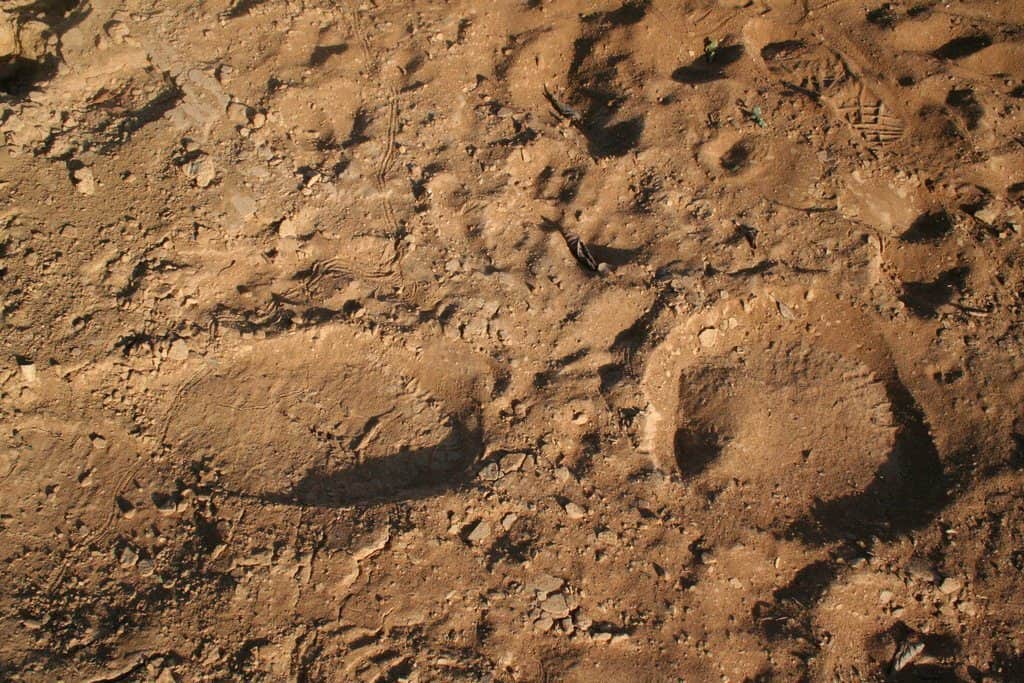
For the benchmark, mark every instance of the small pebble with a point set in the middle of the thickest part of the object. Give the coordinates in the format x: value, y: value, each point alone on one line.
x: 85, y: 182
x: 129, y: 557
x: 545, y: 584
x: 203, y: 171
x: 481, y: 532
x: 708, y: 337
x: 178, y: 350
x: 556, y: 606
x: 574, y: 511
x: 950, y: 585
x: 28, y: 373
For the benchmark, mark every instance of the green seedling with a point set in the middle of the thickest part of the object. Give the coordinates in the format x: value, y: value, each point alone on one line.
x: 710, y: 49
x: 755, y: 114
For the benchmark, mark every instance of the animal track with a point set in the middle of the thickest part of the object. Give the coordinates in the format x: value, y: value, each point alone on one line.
x: 331, y: 440
x: 790, y: 417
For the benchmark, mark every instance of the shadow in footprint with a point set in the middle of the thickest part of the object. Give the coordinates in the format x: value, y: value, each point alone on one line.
x: 882, y: 16
x: 701, y: 70
x: 1005, y: 666
x: 695, y: 449
x: 736, y: 157
x: 905, y: 493
x: 958, y: 48
x: 924, y: 298
x: 240, y: 8
x: 615, y: 140
x: 928, y: 227
x: 360, y: 126
x: 324, y: 52
x: 963, y: 99
x: 405, y: 475
x: 612, y: 255
x: 1015, y: 193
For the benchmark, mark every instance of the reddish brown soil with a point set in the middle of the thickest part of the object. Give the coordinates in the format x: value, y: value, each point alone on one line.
x: 301, y: 380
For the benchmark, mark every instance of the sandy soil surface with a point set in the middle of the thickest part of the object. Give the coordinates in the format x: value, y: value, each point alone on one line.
x: 525, y: 340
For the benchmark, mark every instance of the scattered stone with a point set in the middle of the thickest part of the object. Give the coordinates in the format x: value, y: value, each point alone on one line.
x: 8, y: 36
x: 202, y: 171
x: 906, y: 654
x: 85, y: 182
x: 556, y: 606
x: 145, y: 567
x: 602, y: 637
x: 785, y: 311
x: 546, y: 584
x: 239, y: 114
x: 129, y: 557
x: 574, y: 511
x: 544, y: 624
x: 98, y: 441
x: 508, y: 520
x: 708, y: 337
x: 490, y: 472
x: 988, y: 215
x: 512, y: 462
x: 885, y: 597
x: 480, y: 533
x: 244, y: 204
x: 373, y: 547
x: 166, y: 676
x: 28, y: 373
x: 950, y: 585
x: 118, y: 32
x: 920, y: 569
x: 178, y: 350
x: 288, y: 228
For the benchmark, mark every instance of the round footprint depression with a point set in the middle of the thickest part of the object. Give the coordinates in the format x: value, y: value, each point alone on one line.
x: 781, y: 428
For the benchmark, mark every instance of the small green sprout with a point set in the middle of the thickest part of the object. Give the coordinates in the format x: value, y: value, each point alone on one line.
x: 710, y: 49
x: 755, y: 114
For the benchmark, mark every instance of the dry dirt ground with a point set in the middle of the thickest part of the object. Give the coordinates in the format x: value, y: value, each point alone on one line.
x: 301, y: 379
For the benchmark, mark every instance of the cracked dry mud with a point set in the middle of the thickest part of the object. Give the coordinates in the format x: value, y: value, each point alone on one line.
x: 302, y: 381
